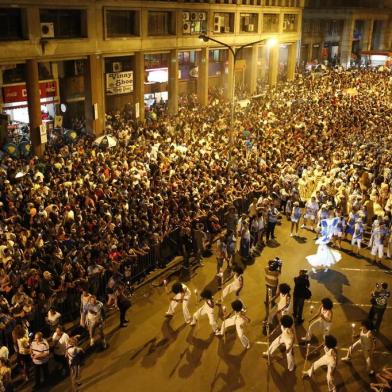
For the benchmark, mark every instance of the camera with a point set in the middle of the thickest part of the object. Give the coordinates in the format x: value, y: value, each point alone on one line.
x: 275, y: 264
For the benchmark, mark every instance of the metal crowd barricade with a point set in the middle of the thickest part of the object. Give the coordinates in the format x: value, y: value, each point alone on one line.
x: 161, y: 253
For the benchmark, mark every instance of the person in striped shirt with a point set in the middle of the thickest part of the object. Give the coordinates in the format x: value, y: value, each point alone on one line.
x: 40, y: 355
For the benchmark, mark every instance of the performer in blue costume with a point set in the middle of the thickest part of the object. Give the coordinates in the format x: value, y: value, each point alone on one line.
x: 325, y: 256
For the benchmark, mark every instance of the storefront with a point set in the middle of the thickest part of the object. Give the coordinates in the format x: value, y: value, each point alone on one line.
x: 15, y: 106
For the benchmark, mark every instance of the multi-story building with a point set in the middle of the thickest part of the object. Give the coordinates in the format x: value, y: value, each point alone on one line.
x: 341, y: 30
x: 97, y: 56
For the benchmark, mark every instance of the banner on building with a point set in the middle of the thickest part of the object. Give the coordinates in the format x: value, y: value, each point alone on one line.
x: 119, y: 83
x: 18, y: 92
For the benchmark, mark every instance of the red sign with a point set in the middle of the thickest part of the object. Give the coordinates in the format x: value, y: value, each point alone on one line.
x: 18, y: 92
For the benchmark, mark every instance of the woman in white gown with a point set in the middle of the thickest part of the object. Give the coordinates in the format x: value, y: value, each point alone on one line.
x: 325, y: 256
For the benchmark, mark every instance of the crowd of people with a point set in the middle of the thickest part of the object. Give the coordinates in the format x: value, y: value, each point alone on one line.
x: 75, y: 222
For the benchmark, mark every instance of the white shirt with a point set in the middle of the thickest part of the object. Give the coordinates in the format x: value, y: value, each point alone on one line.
x: 60, y: 343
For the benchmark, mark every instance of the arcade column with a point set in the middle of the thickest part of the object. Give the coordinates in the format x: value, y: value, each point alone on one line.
x: 291, y: 61
x: 202, y: 78
x: 346, y: 45
x: 34, y: 106
x: 230, y: 76
x: 173, y: 81
x: 273, y: 65
x: 252, y: 72
x: 94, y: 95
x: 139, y: 86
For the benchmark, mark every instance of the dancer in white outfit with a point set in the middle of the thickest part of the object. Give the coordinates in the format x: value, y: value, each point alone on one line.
x: 238, y: 319
x: 322, y: 320
x: 366, y: 341
x: 283, y: 303
x: 181, y: 295
x: 236, y: 285
x: 329, y: 359
x: 286, y: 338
x: 207, y: 309
x: 325, y: 256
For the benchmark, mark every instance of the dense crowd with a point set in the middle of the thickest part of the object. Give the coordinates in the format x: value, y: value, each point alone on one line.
x: 78, y: 219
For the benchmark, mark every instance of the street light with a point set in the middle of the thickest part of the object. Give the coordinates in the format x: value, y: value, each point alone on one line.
x: 270, y: 43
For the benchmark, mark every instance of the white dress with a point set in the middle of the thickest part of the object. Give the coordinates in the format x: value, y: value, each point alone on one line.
x: 325, y: 256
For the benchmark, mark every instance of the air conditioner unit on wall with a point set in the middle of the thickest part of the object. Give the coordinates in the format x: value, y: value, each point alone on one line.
x: 202, y: 16
x: 47, y: 30
x: 117, y: 67
x: 194, y: 16
x: 186, y: 28
x: 185, y: 16
x: 219, y: 24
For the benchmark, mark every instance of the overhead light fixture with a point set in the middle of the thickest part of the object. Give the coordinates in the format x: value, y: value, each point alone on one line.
x: 271, y: 42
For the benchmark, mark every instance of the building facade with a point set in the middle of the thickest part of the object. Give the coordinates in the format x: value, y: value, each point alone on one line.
x: 99, y: 56
x: 343, y: 30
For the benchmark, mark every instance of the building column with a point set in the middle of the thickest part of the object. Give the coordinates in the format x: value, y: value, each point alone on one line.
x: 252, y: 69
x: 368, y: 33
x: 228, y: 91
x: 34, y: 107
x: 202, y: 77
x: 139, y: 86
x: 291, y: 61
x: 94, y: 95
x: 173, y: 81
x: 273, y: 65
x: 346, y: 44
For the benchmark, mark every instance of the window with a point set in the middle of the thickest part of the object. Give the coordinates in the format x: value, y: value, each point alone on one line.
x: 218, y: 56
x: 161, y: 23
x: 67, y: 23
x: 306, y: 26
x: 248, y: 23
x: 290, y: 23
x: 122, y: 23
x: 316, y: 26
x: 11, y: 24
x: 271, y: 23
x: 223, y: 22
x: 185, y: 58
x: 194, y: 22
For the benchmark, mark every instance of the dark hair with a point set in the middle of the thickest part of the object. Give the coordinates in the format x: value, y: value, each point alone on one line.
x: 367, y: 324
x: 177, y: 288
x: 284, y: 288
x: 286, y: 321
x: 238, y: 270
x: 330, y: 341
x: 206, y: 294
x: 384, y: 285
x: 327, y: 303
x: 237, y: 305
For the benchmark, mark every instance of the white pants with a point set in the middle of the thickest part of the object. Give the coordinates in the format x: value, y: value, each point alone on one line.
x: 325, y: 360
x: 230, y: 288
x: 378, y: 249
x: 206, y: 310
x: 366, y: 353
x: 356, y: 241
x: 318, y: 323
x: 239, y: 322
x: 289, y: 354
x: 185, y: 310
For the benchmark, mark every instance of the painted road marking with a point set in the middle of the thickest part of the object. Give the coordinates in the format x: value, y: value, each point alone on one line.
x: 366, y: 270
x: 346, y: 304
x: 260, y: 342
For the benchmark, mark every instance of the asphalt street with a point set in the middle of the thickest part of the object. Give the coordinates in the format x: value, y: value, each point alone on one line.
x: 156, y: 354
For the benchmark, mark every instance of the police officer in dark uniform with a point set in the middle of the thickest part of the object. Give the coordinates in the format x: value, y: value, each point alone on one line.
x: 379, y: 303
